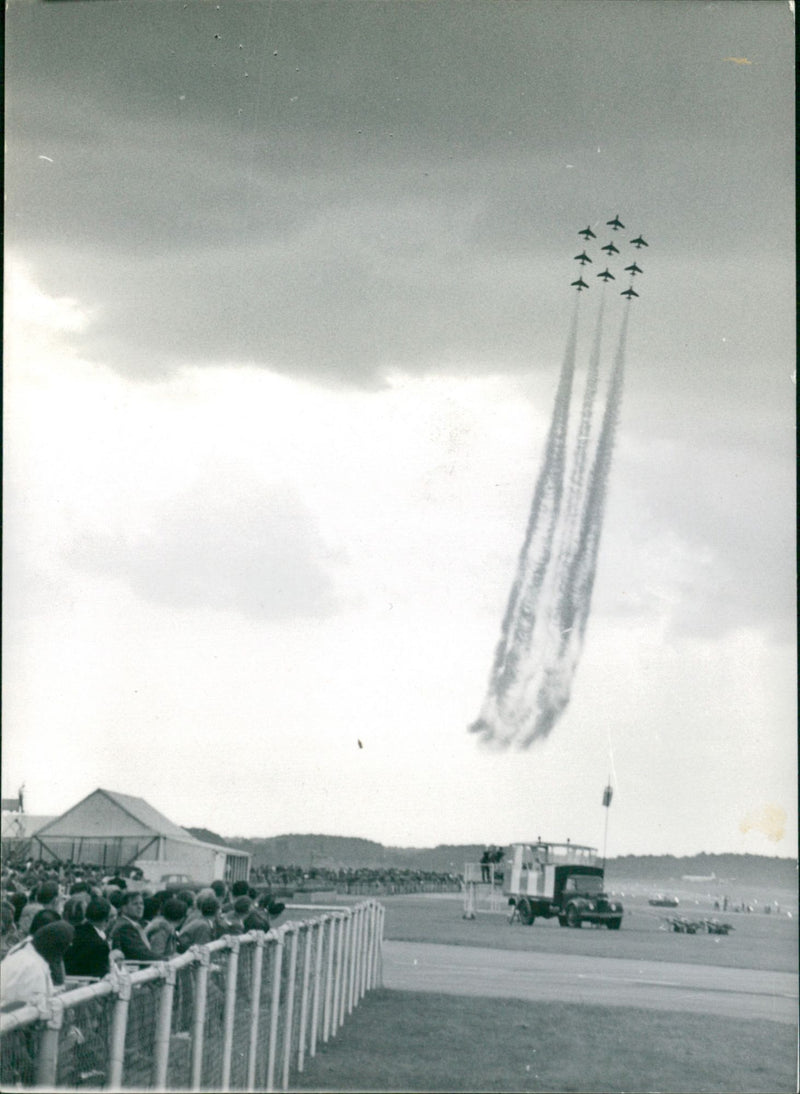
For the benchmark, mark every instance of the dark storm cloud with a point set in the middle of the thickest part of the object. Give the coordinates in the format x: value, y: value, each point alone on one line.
x: 334, y: 189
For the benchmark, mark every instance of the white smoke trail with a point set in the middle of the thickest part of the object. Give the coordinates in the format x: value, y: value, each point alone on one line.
x: 575, y: 601
x: 495, y: 724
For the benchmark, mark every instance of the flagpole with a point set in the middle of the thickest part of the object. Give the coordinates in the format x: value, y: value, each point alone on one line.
x: 607, y: 794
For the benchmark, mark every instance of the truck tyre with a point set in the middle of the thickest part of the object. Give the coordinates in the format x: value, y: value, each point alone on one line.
x: 525, y: 912
x: 562, y: 921
x: 573, y: 916
x: 614, y: 924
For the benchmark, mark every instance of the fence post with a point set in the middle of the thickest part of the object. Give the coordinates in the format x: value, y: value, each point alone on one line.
x: 255, y: 1007
x: 337, y: 978
x: 348, y: 938
x: 199, y: 1017
x: 119, y: 1026
x: 301, y: 1052
x: 47, y: 1063
x: 230, y: 1007
x: 319, y: 926
x: 377, y: 970
x: 367, y: 948
x: 359, y: 947
x: 274, y: 1010
x: 164, y: 1028
x: 326, y: 1026
x: 288, y: 1024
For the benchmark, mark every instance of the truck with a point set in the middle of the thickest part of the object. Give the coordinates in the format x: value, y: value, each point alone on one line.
x: 559, y: 879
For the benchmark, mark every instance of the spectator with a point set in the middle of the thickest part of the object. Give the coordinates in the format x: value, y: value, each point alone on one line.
x: 25, y: 975
x: 74, y: 911
x: 42, y: 918
x: 234, y: 922
x: 10, y: 935
x: 127, y: 934
x: 47, y: 896
x: 89, y: 954
x: 162, y: 931
x: 203, y: 928
x: 18, y: 901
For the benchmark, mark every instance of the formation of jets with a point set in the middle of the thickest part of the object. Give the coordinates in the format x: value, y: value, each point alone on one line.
x: 610, y: 249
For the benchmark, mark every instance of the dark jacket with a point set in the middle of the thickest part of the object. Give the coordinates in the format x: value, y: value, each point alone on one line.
x: 129, y: 937
x: 88, y: 954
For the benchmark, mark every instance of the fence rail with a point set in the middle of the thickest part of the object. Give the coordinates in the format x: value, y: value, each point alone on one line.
x: 237, y: 1014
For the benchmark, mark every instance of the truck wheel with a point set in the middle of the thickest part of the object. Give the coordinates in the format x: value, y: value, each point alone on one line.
x: 613, y: 924
x: 562, y: 921
x: 525, y: 912
x: 573, y: 916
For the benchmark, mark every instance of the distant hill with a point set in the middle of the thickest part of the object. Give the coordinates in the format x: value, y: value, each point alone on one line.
x: 343, y: 852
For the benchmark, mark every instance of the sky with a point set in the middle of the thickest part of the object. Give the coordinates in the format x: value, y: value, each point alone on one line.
x: 287, y: 292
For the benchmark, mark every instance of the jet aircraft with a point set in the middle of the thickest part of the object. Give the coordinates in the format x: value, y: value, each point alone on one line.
x: 580, y: 284
x: 629, y: 293
x: 587, y: 233
x: 616, y: 223
x: 633, y: 269
x: 583, y: 258
x: 639, y: 243
x: 607, y: 275
x: 612, y: 250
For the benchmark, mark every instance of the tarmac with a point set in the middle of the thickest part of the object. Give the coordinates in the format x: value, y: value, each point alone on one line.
x: 598, y: 981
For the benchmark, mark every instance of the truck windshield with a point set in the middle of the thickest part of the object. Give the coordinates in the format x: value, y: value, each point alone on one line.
x: 583, y: 883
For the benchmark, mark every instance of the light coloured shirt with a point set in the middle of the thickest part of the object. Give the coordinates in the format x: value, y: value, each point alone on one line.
x: 24, y: 977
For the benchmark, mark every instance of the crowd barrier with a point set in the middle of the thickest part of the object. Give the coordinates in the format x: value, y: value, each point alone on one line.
x: 237, y: 1014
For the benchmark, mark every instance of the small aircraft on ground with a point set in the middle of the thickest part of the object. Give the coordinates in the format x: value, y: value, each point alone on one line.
x: 639, y: 243
x: 607, y: 275
x: 583, y: 258
x: 580, y: 284
x: 587, y: 233
x: 612, y: 250
x: 629, y: 293
x: 616, y: 223
x: 634, y: 269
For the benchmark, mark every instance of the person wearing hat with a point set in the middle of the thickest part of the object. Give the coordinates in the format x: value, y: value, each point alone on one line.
x: 25, y: 971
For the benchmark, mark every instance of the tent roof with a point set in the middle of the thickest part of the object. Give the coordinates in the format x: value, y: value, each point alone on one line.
x: 122, y: 814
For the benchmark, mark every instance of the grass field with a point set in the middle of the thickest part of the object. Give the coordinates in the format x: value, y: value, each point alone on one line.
x: 758, y: 941
x: 404, y: 1041
x: 397, y: 1041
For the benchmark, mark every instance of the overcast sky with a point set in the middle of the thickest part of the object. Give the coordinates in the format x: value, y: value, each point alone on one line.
x: 287, y: 294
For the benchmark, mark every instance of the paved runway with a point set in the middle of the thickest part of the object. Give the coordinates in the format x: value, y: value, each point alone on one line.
x: 604, y: 981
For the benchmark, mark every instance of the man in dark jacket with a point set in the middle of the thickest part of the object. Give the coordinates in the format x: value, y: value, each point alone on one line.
x: 127, y: 934
x: 89, y: 953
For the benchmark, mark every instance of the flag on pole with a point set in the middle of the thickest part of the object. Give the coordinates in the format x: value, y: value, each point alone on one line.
x: 607, y: 795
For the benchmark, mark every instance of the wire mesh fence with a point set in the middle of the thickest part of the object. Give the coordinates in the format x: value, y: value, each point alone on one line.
x: 241, y: 1013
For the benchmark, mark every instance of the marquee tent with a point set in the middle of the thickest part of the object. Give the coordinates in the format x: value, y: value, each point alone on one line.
x: 114, y: 830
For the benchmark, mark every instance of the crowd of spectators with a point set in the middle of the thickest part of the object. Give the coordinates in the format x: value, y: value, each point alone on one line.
x: 358, y: 880
x: 70, y: 921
